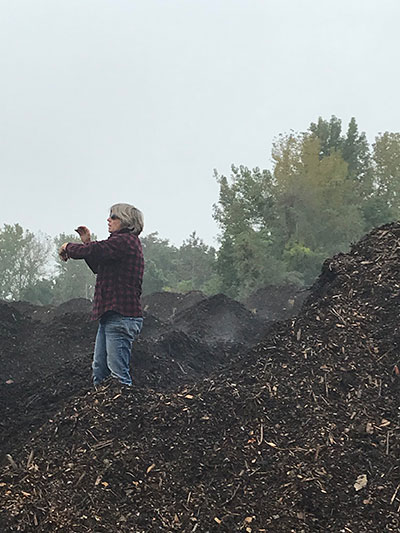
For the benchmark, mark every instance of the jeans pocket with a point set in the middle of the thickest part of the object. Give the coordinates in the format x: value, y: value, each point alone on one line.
x: 134, y: 325
x: 138, y: 324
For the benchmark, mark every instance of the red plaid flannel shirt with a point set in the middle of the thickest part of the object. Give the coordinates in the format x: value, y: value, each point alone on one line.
x: 118, y: 263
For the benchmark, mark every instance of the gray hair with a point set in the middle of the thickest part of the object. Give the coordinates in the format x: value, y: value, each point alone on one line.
x: 129, y: 216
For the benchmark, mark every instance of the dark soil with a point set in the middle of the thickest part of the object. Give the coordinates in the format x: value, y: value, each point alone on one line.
x: 219, y: 318
x: 300, y: 434
x: 48, y: 312
x: 33, y: 348
x: 77, y: 305
x: 276, y: 303
x: 164, y: 305
x: 46, y: 356
x: 161, y: 364
x: 28, y: 310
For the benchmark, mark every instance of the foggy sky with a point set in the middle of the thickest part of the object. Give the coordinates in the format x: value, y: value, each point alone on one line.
x: 105, y: 101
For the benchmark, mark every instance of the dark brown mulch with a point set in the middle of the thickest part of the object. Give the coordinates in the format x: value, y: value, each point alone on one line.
x: 31, y: 311
x: 275, y: 303
x: 46, y: 313
x: 164, y: 305
x: 12, y: 324
x: 300, y: 435
x: 43, y: 364
x: 220, y: 318
x: 76, y: 305
x: 46, y: 362
x: 34, y: 348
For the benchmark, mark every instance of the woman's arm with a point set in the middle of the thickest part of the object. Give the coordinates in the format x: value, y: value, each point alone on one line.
x: 95, y: 252
x: 85, y: 235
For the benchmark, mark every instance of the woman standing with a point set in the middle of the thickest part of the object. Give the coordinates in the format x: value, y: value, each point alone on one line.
x: 118, y: 263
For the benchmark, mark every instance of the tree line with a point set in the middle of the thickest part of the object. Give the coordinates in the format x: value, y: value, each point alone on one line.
x: 31, y: 270
x: 326, y: 188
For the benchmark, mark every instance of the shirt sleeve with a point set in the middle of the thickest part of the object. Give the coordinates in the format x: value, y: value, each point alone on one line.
x: 94, y: 267
x: 95, y: 252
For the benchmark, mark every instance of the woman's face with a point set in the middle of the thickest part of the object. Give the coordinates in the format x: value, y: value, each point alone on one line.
x: 114, y: 223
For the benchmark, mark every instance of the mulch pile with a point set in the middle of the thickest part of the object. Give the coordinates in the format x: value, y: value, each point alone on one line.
x: 274, y: 303
x: 46, y: 313
x: 301, y: 434
x: 164, y: 305
x: 11, y: 325
x: 46, y: 353
x: 35, y: 341
x: 45, y: 358
x: 219, y: 319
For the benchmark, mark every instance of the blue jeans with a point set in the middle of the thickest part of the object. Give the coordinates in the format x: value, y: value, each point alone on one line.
x: 112, y: 351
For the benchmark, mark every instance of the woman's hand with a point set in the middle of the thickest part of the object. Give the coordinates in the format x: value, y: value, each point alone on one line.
x: 62, y: 252
x: 84, y: 233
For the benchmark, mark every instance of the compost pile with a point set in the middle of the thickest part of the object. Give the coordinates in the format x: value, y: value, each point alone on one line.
x: 301, y: 434
x: 46, y: 353
x: 45, y: 357
x: 164, y: 305
x: 274, y: 303
x: 38, y: 340
x: 219, y: 319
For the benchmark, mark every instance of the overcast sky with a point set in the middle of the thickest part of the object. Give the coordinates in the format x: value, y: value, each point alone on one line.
x: 105, y: 101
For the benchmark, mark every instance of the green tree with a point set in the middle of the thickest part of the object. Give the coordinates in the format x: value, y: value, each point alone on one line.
x: 329, y: 135
x: 318, y: 205
x: 246, y: 199
x: 154, y: 279
x: 353, y: 147
x: 386, y: 156
x: 357, y: 154
x: 195, y: 263
x: 73, y: 279
x: 246, y: 207
x: 281, y: 225
x: 303, y: 263
x: 226, y: 266
x: 160, y: 263
x: 23, y: 260
x: 41, y: 293
x: 189, y: 267
x: 256, y: 262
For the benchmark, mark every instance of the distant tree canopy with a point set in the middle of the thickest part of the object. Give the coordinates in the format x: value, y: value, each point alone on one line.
x: 31, y: 270
x: 326, y: 188
x: 23, y: 260
x: 73, y: 279
x: 189, y: 267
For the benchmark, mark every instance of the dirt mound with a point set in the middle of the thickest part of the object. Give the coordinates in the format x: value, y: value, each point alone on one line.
x: 47, y: 362
x: 300, y: 435
x: 32, y: 311
x: 161, y: 364
x: 219, y: 319
x: 36, y: 341
x: 10, y: 321
x: 12, y: 325
x: 152, y: 327
x: 46, y: 313
x: 274, y: 303
x: 175, y: 358
x: 164, y: 305
x: 76, y: 305
x: 43, y: 364
x: 41, y: 347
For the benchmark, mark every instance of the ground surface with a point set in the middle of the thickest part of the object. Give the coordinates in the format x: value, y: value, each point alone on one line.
x: 46, y: 352
x: 299, y: 434
x: 164, y: 305
x: 276, y: 303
